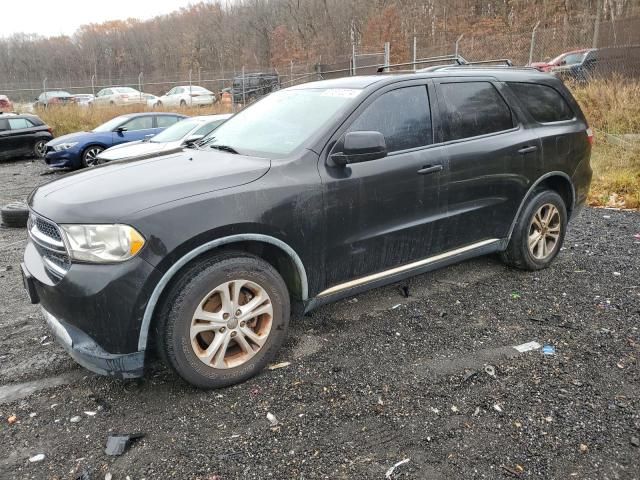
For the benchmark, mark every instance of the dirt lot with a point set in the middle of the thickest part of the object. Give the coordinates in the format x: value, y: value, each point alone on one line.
x: 373, y: 380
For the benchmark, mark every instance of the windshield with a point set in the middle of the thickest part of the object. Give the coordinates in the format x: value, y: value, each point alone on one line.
x: 110, y: 125
x: 281, y: 122
x: 176, y: 131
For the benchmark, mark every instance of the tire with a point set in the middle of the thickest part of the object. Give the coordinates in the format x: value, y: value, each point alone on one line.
x: 158, y: 104
x: 199, y: 289
x: 531, y: 225
x: 183, y: 104
x: 89, y: 155
x: 15, y: 214
x: 40, y: 148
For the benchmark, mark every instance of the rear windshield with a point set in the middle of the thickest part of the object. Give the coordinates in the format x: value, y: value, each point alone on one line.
x: 544, y: 103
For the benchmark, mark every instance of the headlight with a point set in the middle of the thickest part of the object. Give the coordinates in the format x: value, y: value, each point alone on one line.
x: 102, y: 243
x: 64, y: 146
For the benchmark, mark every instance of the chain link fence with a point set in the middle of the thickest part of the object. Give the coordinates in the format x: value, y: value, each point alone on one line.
x: 616, y: 47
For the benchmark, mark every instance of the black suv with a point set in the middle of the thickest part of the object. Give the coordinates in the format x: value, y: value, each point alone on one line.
x: 314, y: 193
x: 23, y: 135
x: 253, y: 85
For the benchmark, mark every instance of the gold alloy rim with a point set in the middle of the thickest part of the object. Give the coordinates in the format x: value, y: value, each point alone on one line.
x: 544, y: 231
x: 231, y: 324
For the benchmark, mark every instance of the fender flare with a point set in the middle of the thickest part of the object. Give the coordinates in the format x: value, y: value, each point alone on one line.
x: 171, y: 272
x: 530, y: 192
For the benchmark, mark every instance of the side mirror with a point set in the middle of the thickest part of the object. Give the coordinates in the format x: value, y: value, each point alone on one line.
x: 191, y: 139
x: 121, y: 129
x: 361, y: 147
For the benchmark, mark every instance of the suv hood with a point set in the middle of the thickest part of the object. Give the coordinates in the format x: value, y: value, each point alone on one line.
x: 109, y: 193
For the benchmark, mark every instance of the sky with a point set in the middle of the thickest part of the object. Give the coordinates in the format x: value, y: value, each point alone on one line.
x: 56, y: 17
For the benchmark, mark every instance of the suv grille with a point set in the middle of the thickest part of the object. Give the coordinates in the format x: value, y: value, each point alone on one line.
x: 48, y: 240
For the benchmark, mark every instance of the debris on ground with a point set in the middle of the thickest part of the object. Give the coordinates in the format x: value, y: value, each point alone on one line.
x: 497, y: 408
x: 272, y: 419
x: 279, y: 365
x: 526, y: 347
x: 635, y: 441
x: 118, y: 444
x: 548, y: 350
x: 12, y: 419
x: 490, y: 370
x: 584, y: 448
x: 396, y: 306
x: 90, y: 413
x: 516, y: 472
x: 515, y: 295
x: 392, y: 469
x: 37, y: 458
x: 84, y: 475
x: 75, y: 419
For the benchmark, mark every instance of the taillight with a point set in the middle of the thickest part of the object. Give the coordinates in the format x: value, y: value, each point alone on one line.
x: 590, y: 137
x: 124, y: 96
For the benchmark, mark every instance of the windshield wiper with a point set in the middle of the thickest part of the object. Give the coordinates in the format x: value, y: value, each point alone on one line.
x: 225, y: 148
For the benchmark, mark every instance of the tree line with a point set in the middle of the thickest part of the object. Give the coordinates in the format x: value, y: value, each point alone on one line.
x: 223, y: 36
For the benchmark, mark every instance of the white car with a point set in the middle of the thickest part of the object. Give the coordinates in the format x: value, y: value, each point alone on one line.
x: 84, y: 99
x: 151, y: 100
x: 168, y: 141
x: 187, y: 95
x: 119, y: 96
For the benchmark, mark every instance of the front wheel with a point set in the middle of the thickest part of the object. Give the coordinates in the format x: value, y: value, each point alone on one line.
x: 539, y: 232
x: 90, y: 156
x: 224, y: 320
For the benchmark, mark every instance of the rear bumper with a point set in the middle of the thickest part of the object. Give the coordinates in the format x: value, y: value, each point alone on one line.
x: 90, y: 355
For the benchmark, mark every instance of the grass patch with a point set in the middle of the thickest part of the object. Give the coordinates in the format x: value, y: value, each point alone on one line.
x: 612, y: 106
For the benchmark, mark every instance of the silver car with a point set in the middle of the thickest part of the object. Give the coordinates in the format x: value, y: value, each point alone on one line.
x: 173, y: 138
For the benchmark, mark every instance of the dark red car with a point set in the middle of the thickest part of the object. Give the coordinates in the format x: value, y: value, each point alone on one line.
x: 563, y: 60
x: 5, y: 104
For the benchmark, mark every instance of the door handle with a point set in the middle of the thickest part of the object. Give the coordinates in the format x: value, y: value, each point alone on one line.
x: 427, y: 169
x: 530, y: 149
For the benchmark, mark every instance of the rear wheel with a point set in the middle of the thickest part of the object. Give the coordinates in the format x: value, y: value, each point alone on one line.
x: 539, y: 232
x: 224, y: 320
x: 90, y: 156
x: 183, y: 103
x: 40, y: 148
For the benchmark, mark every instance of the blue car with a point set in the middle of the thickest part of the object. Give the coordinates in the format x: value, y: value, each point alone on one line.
x: 80, y: 149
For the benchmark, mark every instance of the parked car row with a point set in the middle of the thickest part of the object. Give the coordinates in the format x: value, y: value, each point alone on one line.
x: 26, y: 134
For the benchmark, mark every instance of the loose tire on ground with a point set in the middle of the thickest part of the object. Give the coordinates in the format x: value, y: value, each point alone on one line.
x: 15, y: 215
x: 536, y: 239
x: 194, y: 320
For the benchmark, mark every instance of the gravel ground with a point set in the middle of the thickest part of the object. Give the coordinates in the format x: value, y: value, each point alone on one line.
x: 372, y: 380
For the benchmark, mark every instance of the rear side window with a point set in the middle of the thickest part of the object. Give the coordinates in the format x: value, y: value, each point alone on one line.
x: 543, y: 102
x: 19, y: 123
x: 4, y: 125
x: 139, y: 123
x: 402, y: 116
x: 474, y: 108
x: 166, y: 120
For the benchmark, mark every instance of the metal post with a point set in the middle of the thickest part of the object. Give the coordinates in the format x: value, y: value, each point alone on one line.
x: 190, y: 85
x: 533, y: 42
x: 244, y: 99
x: 596, y: 24
x: 93, y: 85
x: 387, y: 55
x: 415, y: 50
x: 353, y: 59
x: 44, y: 89
x: 140, y: 85
x: 291, y: 77
x: 458, y: 43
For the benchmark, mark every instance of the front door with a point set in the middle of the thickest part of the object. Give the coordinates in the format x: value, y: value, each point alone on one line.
x: 490, y: 152
x: 383, y: 213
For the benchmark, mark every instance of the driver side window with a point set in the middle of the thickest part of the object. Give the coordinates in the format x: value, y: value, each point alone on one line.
x: 139, y: 123
x: 403, y: 116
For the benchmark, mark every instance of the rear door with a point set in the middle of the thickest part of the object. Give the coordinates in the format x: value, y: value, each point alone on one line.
x: 492, y: 155
x: 23, y: 133
x: 383, y: 213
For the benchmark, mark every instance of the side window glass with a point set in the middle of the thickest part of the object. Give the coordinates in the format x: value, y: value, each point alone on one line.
x: 472, y: 109
x: 4, y: 125
x: 139, y: 123
x: 19, y: 123
x: 544, y: 103
x: 164, y: 121
x: 402, y: 116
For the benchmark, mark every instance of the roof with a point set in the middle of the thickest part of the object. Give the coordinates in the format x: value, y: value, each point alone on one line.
x: 209, y: 118
x: 444, y: 71
x: 146, y: 114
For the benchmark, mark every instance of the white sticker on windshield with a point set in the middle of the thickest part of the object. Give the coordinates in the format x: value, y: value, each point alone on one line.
x: 341, y: 92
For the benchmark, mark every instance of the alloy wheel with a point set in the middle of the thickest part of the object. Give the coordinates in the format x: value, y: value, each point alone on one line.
x: 231, y: 324
x: 544, y: 231
x: 91, y: 156
x: 40, y: 148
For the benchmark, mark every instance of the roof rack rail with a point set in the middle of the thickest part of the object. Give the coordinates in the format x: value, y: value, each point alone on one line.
x: 456, y: 59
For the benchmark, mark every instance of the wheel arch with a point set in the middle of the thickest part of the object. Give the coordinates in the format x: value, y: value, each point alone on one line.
x: 558, y: 182
x: 272, y: 250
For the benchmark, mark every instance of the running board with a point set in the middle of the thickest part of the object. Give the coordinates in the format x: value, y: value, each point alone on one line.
x: 408, y: 270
